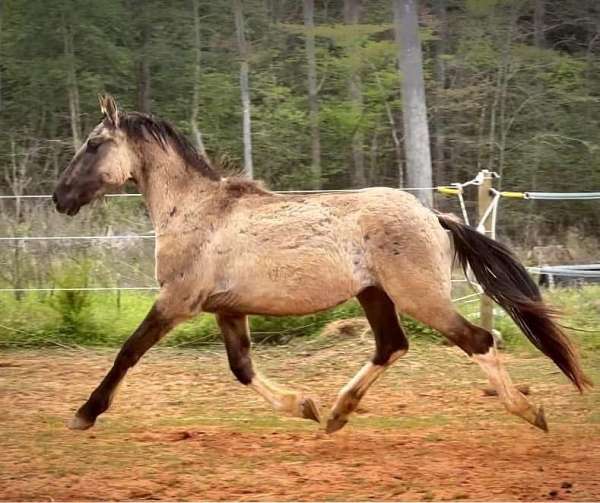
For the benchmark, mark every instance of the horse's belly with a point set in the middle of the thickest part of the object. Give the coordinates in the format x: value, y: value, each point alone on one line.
x: 279, y: 300
x: 290, y: 287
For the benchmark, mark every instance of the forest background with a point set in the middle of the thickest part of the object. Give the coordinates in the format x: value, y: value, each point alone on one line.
x: 512, y: 86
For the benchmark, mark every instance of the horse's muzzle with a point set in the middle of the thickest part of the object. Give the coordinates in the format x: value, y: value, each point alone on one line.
x: 65, y: 205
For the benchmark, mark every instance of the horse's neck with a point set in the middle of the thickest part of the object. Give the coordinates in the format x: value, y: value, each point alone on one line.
x: 171, y: 189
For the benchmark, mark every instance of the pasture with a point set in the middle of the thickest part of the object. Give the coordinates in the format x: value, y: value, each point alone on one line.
x: 182, y: 428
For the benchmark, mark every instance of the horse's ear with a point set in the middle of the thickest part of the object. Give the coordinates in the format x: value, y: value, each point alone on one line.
x: 109, y: 108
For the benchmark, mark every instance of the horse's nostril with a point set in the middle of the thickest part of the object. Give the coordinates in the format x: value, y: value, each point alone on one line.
x: 54, y: 198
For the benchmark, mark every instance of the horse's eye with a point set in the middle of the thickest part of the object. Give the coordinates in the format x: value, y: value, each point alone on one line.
x: 92, y: 146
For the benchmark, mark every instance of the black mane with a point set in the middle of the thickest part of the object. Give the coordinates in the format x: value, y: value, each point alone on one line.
x: 139, y: 126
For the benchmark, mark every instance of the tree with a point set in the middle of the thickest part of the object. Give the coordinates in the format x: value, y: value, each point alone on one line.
x: 538, y: 16
x: 351, y: 17
x: 414, y: 110
x: 72, y: 87
x: 512, y: 85
x: 196, y: 133
x: 244, y: 86
x: 313, y: 100
x: 440, y: 174
x: 144, y: 51
x: 1, y: 15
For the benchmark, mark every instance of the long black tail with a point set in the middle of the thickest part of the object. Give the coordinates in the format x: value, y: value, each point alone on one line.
x: 505, y: 280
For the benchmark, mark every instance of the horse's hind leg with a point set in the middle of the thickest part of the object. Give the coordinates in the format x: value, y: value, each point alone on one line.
x: 390, y: 344
x: 234, y: 329
x: 478, y: 343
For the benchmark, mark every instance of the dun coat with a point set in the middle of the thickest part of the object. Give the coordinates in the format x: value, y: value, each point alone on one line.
x: 227, y: 246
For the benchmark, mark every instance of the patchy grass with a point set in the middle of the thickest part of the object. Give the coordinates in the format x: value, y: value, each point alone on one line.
x: 106, y: 319
x: 580, y: 315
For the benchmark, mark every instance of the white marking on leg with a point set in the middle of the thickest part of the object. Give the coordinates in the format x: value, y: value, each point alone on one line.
x: 512, y: 398
x: 492, y: 366
x: 280, y: 399
x: 350, y: 395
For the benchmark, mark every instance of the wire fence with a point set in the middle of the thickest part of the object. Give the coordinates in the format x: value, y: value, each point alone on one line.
x: 456, y: 189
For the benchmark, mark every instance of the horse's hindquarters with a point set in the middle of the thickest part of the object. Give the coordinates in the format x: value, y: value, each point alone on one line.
x: 411, y: 258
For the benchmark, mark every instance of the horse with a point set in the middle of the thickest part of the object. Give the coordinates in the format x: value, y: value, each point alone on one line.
x: 228, y: 246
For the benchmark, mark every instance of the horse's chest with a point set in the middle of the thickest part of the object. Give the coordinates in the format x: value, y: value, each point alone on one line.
x: 177, y: 260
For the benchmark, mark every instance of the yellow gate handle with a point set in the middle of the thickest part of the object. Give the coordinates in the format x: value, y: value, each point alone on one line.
x: 516, y: 195
x: 450, y: 191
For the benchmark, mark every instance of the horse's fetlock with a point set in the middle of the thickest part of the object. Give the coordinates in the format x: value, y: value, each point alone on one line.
x: 242, y: 372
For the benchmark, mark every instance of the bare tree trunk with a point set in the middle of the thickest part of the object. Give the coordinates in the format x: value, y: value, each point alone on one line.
x: 273, y: 7
x: 144, y: 84
x: 196, y: 133
x: 507, y: 64
x: 351, y: 16
x: 538, y: 21
x: 394, y: 128
x: 313, y: 100
x: 244, y: 86
x: 373, y: 157
x: 72, y: 88
x: 590, y: 54
x: 439, y: 127
x: 16, y: 178
x: 414, y: 110
x: 540, y: 42
x: 1, y: 12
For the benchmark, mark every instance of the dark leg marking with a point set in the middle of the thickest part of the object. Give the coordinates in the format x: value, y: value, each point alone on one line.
x: 152, y: 329
x: 234, y: 329
x: 390, y: 344
x: 470, y: 338
x: 383, y: 319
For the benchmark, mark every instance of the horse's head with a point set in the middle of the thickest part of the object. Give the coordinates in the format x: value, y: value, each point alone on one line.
x: 105, y: 161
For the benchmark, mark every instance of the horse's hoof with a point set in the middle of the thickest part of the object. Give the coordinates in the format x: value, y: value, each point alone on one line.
x: 80, y: 423
x: 335, y: 423
x: 540, y: 420
x: 309, y: 410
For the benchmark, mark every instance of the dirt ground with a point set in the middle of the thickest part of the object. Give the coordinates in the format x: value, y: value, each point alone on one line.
x: 181, y: 428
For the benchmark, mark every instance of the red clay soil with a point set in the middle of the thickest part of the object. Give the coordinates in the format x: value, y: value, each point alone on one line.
x: 182, y: 429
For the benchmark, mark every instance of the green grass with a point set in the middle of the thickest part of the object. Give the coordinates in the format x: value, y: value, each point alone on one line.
x: 100, y: 318
x: 106, y: 319
x: 579, y: 309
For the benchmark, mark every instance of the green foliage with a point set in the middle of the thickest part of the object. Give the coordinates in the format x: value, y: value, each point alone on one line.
x: 73, y: 306
x: 341, y: 35
x: 495, y: 98
x: 501, y: 102
x: 107, y: 318
x: 580, y: 315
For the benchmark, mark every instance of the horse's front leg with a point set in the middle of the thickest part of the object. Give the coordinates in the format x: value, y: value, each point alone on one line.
x: 237, y: 342
x: 155, y: 326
